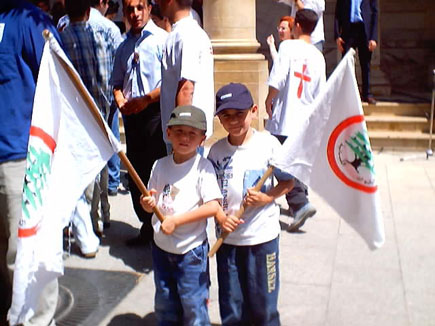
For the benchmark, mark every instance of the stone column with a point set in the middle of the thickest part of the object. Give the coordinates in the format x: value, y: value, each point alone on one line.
x: 231, y: 27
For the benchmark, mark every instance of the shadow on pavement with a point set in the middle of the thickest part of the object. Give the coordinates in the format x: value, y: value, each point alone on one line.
x: 138, y: 258
x: 283, y: 225
x: 135, y: 320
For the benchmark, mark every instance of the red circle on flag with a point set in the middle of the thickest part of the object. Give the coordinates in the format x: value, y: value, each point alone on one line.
x: 349, y: 172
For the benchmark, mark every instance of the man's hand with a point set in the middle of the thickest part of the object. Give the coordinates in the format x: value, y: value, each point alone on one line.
x: 135, y: 105
x: 340, y: 44
x: 121, y: 102
x: 257, y: 198
x: 372, y: 45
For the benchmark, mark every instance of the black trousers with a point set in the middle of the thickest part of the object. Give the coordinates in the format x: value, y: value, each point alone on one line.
x: 357, y: 39
x: 298, y: 196
x: 145, y: 145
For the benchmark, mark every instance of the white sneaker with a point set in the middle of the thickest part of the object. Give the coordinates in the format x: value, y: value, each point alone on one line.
x: 301, y: 216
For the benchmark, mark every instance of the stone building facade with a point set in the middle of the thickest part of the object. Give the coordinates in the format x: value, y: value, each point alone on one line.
x: 405, y: 58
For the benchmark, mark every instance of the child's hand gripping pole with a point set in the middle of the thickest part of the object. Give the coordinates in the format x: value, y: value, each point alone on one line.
x: 137, y: 180
x: 240, y: 212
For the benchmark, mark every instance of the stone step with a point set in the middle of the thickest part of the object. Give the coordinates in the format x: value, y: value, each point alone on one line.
x: 399, y: 140
x: 396, y: 123
x: 395, y: 108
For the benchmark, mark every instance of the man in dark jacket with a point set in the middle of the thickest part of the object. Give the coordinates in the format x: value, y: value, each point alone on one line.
x: 356, y: 26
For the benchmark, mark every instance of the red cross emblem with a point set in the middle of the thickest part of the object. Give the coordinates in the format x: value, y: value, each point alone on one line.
x: 303, y: 77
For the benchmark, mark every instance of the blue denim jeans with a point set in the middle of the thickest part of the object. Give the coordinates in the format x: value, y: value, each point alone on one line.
x: 114, y: 163
x: 248, y: 278
x: 182, y: 287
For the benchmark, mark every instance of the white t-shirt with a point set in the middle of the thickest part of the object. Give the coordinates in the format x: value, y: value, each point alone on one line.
x: 182, y: 188
x: 188, y: 54
x: 318, y: 6
x: 238, y: 168
x: 195, y: 16
x: 299, y: 75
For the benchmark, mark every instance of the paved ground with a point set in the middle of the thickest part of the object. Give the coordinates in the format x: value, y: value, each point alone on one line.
x: 328, y: 275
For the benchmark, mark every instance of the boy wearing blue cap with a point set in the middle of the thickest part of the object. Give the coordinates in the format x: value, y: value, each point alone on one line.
x: 248, y: 263
x: 183, y: 186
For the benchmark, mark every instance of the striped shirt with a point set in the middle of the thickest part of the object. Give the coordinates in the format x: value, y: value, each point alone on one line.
x: 80, y: 44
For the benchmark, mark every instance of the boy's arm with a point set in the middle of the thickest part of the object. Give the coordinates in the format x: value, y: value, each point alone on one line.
x: 228, y: 222
x: 258, y: 198
x: 206, y: 210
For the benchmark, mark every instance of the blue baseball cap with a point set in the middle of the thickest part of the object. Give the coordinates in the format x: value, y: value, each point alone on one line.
x: 233, y: 96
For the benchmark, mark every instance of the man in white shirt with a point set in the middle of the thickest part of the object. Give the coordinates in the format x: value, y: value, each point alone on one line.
x: 295, y: 80
x: 136, y: 82
x: 187, y: 66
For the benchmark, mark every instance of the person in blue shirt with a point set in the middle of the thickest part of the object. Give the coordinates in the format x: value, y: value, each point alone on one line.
x: 21, y: 45
x: 136, y: 82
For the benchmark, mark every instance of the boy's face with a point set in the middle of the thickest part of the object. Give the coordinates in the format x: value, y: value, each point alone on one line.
x: 185, y: 140
x: 137, y: 13
x: 237, y: 122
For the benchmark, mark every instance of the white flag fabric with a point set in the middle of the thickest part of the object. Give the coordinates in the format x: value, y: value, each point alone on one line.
x: 329, y: 150
x: 67, y: 149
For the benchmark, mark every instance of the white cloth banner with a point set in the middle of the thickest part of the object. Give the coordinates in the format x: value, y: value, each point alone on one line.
x: 67, y: 149
x: 329, y: 150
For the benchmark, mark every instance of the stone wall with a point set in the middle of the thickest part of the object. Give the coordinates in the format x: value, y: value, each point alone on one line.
x: 408, y: 43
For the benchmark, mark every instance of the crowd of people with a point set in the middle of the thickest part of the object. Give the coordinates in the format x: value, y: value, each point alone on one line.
x: 159, y: 75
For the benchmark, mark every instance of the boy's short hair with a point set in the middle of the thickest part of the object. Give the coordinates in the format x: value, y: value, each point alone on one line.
x: 76, y: 8
x: 155, y: 10
x: 307, y: 19
x: 188, y: 115
x: 185, y: 3
x: 233, y: 96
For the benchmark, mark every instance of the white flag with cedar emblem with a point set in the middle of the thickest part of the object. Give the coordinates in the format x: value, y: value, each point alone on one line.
x: 329, y: 150
x: 67, y: 149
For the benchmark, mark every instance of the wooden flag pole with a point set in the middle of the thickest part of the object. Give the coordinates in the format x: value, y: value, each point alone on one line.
x: 96, y: 114
x: 240, y: 212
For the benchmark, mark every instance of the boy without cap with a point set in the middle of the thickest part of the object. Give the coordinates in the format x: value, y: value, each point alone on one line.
x: 248, y: 263
x: 183, y: 186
